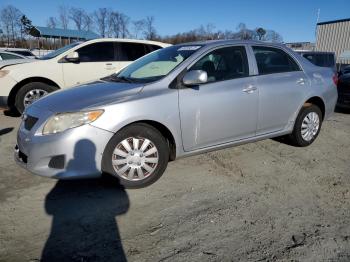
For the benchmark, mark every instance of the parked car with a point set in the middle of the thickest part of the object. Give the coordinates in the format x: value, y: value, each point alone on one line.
x: 178, y: 101
x: 344, y: 88
x: 319, y: 58
x: 74, y: 64
x: 20, y: 51
x: 10, y: 56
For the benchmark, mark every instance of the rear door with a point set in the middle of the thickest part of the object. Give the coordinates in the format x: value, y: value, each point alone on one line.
x: 97, y: 60
x: 281, y: 84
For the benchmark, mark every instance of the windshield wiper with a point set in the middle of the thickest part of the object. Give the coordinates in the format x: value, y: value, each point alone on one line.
x: 121, y: 79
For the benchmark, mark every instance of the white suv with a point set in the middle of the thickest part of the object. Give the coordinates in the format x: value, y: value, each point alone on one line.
x: 75, y: 64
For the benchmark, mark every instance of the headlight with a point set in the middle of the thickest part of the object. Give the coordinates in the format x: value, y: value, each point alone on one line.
x: 61, y: 122
x: 4, y: 73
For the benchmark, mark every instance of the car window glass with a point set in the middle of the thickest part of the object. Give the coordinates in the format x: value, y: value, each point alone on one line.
x: 224, y: 64
x: 9, y: 56
x: 25, y: 53
x: 273, y: 60
x: 152, y: 48
x: 131, y: 51
x: 97, y: 52
x: 324, y: 60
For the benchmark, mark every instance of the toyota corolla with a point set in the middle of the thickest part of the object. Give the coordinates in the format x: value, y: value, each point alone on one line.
x: 175, y: 102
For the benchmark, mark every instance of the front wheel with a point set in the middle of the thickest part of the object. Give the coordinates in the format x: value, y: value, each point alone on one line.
x: 31, y: 92
x: 307, y: 126
x: 137, y: 155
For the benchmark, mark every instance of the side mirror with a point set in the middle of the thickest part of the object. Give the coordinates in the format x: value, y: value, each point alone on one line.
x: 195, y: 77
x: 73, y: 57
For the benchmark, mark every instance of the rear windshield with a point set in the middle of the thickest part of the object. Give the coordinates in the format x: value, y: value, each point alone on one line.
x: 324, y: 60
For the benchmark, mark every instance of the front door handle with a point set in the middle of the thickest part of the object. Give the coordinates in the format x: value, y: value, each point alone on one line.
x: 301, y: 81
x: 109, y: 66
x: 250, y: 89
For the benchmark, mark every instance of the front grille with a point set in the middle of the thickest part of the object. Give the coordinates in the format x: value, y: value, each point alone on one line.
x: 29, y: 122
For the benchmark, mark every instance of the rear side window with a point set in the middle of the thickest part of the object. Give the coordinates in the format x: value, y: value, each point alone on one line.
x: 273, y: 60
x: 97, y: 52
x: 131, y: 51
x: 224, y: 64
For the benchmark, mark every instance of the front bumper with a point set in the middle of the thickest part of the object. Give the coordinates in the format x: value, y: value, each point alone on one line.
x: 78, y: 151
x: 3, y: 101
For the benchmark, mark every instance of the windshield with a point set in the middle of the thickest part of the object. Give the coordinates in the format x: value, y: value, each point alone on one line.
x: 156, y: 65
x: 59, y: 51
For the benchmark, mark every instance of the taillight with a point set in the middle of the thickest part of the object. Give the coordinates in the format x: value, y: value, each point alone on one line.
x: 335, y: 79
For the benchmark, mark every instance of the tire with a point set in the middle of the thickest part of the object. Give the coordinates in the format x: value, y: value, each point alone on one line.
x: 297, y: 138
x: 37, y: 87
x: 127, y: 165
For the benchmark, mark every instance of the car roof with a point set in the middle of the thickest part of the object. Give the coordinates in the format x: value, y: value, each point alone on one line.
x: 314, y: 52
x: 230, y: 42
x: 127, y: 40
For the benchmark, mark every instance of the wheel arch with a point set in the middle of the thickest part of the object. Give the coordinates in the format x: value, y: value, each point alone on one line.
x: 165, y: 131
x: 318, y: 101
x: 19, y: 85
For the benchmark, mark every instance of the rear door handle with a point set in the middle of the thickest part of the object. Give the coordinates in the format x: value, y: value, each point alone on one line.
x: 249, y: 89
x: 301, y: 81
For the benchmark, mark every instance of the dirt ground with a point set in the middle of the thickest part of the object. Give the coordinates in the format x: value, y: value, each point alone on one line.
x: 265, y: 201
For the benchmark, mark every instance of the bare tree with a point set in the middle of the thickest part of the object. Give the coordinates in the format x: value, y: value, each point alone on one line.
x: 273, y: 36
x: 52, y: 22
x: 101, y: 17
x: 63, y: 16
x: 149, y: 30
x: 11, y: 22
x: 88, y: 22
x: 138, y: 27
x: 114, y: 24
x: 77, y: 16
x: 124, y: 23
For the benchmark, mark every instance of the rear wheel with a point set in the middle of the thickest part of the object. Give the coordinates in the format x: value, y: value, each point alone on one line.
x: 137, y: 155
x: 31, y: 92
x: 307, y: 126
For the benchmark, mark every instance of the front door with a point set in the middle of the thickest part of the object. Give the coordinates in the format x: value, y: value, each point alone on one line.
x: 225, y: 108
x: 97, y: 60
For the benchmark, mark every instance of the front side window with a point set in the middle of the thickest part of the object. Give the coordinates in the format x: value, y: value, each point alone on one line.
x: 97, y: 52
x: 273, y: 60
x: 156, y: 65
x: 224, y: 64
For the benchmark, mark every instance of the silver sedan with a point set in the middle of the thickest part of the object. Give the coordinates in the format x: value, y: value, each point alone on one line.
x: 175, y: 102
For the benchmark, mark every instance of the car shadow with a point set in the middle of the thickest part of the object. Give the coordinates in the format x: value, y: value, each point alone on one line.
x: 84, y: 225
x: 6, y: 130
x: 12, y: 113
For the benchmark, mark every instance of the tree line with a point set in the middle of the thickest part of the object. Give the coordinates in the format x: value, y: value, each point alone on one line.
x: 15, y: 27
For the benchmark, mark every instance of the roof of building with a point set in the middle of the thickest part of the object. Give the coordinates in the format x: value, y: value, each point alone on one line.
x: 41, y: 31
x: 334, y: 21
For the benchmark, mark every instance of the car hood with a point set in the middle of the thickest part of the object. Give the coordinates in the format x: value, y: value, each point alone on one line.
x: 9, y: 62
x: 91, y: 95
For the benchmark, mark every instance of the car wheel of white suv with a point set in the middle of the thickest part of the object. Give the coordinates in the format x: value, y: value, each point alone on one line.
x: 137, y: 155
x: 31, y: 92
